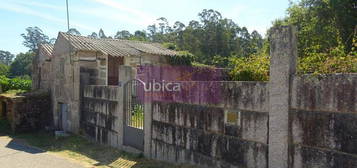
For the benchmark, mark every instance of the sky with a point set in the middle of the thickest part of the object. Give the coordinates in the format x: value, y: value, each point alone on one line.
x: 89, y: 16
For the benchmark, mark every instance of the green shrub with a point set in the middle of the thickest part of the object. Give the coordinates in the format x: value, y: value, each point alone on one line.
x: 184, y: 58
x: 197, y: 64
x: 4, y: 83
x: 336, y: 61
x: 17, y: 83
x: 220, y: 61
x: 137, y: 117
x: 171, y: 46
x: 254, y: 68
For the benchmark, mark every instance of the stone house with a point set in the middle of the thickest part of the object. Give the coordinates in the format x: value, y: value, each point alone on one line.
x: 77, y: 60
x: 41, y: 67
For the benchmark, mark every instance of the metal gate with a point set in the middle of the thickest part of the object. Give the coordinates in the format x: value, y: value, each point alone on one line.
x: 134, y: 114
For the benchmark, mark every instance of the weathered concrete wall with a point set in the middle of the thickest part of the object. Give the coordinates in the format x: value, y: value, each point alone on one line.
x: 250, y: 96
x: 100, y: 113
x: 323, y: 119
x: 200, y: 133
x: 331, y: 93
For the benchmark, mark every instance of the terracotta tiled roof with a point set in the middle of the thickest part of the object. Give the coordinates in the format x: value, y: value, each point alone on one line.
x: 46, y: 49
x: 116, y: 47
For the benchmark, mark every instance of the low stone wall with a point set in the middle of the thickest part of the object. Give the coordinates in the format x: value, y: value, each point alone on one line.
x: 291, y: 121
x: 324, y: 121
x: 233, y: 133
x: 99, y: 113
x: 27, y: 112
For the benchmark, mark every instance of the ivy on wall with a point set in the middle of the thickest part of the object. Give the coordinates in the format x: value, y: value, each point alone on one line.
x: 184, y: 58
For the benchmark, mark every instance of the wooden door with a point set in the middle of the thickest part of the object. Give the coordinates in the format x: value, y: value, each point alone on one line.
x: 113, y: 69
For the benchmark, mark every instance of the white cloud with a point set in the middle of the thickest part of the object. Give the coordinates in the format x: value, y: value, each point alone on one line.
x: 137, y: 15
x: 27, y: 11
x: 42, y: 5
x: 110, y: 14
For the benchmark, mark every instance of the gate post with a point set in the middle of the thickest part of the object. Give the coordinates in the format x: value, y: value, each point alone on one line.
x: 147, y: 124
x: 125, y: 74
x: 148, y: 98
x: 283, y: 52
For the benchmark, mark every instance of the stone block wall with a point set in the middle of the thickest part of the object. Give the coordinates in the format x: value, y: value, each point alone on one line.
x: 200, y: 133
x: 28, y: 112
x: 323, y: 118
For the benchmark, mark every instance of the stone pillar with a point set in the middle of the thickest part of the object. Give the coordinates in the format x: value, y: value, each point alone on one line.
x: 283, y: 52
x: 125, y: 74
x: 147, y: 125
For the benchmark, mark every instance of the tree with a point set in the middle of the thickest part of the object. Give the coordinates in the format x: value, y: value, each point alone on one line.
x: 4, y: 70
x: 6, y: 57
x: 322, y: 24
x: 256, y: 41
x: 74, y: 31
x: 52, y: 41
x: 345, y: 15
x: 124, y: 34
x: 160, y: 32
x: 179, y: 26
x: 101, y: 34
x: 93, y: 35
x: 153, y: 33
x: 178, y: 30
x: 22, y: 64
x: 164, y: 25
x: 212, y: 39
x: 140, y: 36
x: 209, y: 16
x: 194, y: 24
x: 33, y: 37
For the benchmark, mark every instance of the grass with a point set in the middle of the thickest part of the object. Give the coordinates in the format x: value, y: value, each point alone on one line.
x: 87, y: 153
x: 18, y: 91
x: 137, y: 117
x: 13, y: 93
